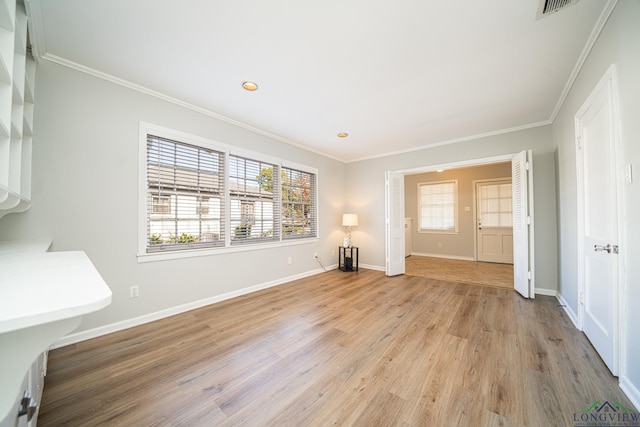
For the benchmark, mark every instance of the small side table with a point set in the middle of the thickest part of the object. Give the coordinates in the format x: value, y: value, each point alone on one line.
x: 348, y: 258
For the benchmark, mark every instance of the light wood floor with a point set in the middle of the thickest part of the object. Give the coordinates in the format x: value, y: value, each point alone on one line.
x: 337, y: 349
x: 461, y: 271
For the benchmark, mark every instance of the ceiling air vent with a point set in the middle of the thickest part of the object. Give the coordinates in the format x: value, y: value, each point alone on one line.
x: 548, y: 7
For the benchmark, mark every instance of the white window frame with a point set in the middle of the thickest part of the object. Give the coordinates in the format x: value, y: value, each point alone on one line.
x: 453, y: 230
x: 143, y: 205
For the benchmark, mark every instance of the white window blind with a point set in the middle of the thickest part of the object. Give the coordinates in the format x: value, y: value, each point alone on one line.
x: 299, y: 205
x: 197, y: 193
x: 185, y: 196
x: 253, y: 198
x: 437, y: 205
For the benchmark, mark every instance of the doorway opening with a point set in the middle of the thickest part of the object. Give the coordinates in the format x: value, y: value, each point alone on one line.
x: 521, y: 195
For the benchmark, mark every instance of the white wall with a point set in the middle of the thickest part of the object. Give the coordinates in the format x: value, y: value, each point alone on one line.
x: 618, y: 43
x: 366, y: 192
x: 85, y: 190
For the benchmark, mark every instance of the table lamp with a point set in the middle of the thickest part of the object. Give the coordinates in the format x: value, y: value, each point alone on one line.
x: 349, y: 220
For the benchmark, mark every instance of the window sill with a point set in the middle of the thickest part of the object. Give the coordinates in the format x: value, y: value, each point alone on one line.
x: 438, y: 232
x: 192, y: 253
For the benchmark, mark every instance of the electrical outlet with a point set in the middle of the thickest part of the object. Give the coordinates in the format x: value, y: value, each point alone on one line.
x: 315, y: 255
x: 439, y: 244
x: 134, y: 291
x: 289, y: 260
x: 333, y: 252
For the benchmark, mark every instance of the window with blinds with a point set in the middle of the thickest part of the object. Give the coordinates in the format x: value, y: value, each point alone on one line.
x: 253, y: 197
x: 299, y: 210
x: 437, y: 206
x: 201, y: 194
x: 185, y: 196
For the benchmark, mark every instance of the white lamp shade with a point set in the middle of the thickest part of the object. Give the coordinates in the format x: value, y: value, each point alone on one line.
x: 350, y: 220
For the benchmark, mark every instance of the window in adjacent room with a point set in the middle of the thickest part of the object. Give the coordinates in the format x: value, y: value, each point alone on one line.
x: 438, y: 206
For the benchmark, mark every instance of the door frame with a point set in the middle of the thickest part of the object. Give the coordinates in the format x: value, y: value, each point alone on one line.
x: 475, y: 207
x: 466, y: 163
x: 609, y: 78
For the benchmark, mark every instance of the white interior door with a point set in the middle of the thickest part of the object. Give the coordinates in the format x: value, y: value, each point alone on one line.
x: 521, y: 172
x: 494, y: 222
x: 394, y: 223
x: 598, y: 221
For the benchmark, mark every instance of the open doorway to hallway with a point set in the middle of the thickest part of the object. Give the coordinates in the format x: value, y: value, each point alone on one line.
x: 454, y: 221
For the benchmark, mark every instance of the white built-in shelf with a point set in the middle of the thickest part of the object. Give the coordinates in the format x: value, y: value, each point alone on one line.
x: 29, y: 79
x: 7, y: 14
x: 17, y: 120
x: 17, y: 79
x: 27, y: 127
x: 39, y: 287
x: 43, y: 296
x: 5, y: 127
x: 7, y: 44
x: 20, y: 29
x: 5, y: 75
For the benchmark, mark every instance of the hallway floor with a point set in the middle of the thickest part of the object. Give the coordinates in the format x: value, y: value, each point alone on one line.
x: 459, y: 271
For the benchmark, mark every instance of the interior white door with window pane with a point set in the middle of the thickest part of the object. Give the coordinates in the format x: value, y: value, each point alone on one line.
x: 494, y: 223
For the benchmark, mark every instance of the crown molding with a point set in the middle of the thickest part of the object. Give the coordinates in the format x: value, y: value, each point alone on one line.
x: 139, y: 88
x: 39, y: 51
x: 455, y: 141
x: 595, y: 33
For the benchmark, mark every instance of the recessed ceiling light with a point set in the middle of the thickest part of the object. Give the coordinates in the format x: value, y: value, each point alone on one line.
x: 250, y: 86
x: 440, y: 170
x: 343, y: 135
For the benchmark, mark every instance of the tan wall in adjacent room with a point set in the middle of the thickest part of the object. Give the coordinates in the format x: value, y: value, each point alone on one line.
x: 460, y: 244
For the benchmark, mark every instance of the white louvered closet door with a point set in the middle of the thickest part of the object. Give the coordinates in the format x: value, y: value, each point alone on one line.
x: 522, y: 236
x: 394, y: 202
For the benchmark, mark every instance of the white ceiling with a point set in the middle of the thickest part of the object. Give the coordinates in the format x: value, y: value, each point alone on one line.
x: 395, y: 75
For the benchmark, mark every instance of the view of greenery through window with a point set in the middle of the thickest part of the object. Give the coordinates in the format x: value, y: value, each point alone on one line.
x: 186, y: 198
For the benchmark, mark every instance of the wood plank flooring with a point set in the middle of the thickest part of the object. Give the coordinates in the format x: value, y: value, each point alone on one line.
x: 351, y: 349
x: 460, y: 271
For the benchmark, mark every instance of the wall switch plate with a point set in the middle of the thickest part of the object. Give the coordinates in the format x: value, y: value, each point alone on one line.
x: 134, y: 292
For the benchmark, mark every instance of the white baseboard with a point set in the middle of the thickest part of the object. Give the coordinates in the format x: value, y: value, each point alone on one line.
x: 140, y: 320
x: 462, y: 258
x: 630, y: 390
x: 373, y: 267
x: 547, y: 292
x: 567, y: 308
